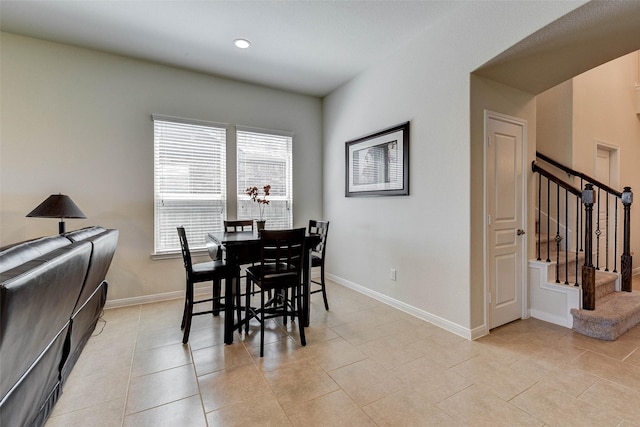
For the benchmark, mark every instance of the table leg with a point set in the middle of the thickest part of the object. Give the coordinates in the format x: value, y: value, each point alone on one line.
x: 306, y: 294
x: 230, y: 288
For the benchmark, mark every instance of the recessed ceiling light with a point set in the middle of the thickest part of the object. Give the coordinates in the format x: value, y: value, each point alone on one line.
x: 242, y: 43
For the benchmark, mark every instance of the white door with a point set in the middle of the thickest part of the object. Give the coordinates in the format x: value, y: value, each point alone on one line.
x: 505, y: 219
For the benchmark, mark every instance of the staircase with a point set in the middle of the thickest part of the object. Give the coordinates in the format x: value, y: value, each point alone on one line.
x: 603, y: 307
x: 615, y: 313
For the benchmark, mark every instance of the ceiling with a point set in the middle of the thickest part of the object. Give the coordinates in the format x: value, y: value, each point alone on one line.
x: 585, y: 38
x: 309, y: 47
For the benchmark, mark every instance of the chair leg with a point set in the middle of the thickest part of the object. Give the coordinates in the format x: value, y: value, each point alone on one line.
x: 188, y: 314
x: 247, y: 299
x: 238, y: 301
x: 215, y: 304
x: 285, y: 296
x: 184, y: 312
x: 261, y: 322
x: 324, y: 288
x: 293, y: 302
x: 187, y: 326
x: 303, y: 339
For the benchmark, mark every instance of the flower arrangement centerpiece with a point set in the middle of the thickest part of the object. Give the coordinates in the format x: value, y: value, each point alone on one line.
x: 253, y: 193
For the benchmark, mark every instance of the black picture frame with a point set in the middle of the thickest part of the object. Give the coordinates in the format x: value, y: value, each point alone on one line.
x: 378, y: 164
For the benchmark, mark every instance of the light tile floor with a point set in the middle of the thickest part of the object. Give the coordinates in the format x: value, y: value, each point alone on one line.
x: 364, y: 364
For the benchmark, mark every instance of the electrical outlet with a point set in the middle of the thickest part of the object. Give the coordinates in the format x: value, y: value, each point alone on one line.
x: 392, y: 274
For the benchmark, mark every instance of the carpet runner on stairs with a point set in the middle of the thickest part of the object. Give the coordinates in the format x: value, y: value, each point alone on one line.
x: 615, y: 312
x: 614, y: 315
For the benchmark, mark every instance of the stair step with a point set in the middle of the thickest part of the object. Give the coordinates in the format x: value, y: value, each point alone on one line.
x: 605, y: 284
x: 567, y: 264
x: 615, y: 314
x: 561, y: 256
x: 605, y: 280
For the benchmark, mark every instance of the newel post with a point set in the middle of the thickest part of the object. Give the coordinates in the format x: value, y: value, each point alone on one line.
x: 588, y: 270
x: 626, y: 264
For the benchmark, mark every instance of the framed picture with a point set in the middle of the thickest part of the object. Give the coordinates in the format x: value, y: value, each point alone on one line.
x: 378, y: 164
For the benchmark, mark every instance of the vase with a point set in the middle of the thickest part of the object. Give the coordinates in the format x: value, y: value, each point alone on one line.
x: 260, y: 225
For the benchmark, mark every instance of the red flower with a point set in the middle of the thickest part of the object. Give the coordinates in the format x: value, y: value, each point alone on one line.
x: 253, y: 193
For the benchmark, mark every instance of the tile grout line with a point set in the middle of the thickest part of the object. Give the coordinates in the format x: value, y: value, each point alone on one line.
x: 133, y: 355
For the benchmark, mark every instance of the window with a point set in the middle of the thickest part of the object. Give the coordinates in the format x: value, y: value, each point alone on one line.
x: 189, y: 179
x: 265, y: 157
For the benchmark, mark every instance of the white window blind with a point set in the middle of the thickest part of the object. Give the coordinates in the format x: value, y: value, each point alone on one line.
x: 265, y: 157
x: 190, y: 181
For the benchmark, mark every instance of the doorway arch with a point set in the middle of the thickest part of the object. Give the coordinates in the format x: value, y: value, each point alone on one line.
x: 589, y: 36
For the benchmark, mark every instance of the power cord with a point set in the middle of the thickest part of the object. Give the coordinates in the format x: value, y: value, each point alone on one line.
x: 101, y: 320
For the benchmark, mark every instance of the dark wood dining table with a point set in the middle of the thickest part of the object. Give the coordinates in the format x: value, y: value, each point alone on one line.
x: 243, y: 248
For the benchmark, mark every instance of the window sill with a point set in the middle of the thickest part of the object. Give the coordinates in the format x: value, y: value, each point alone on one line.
x: 173, y: 255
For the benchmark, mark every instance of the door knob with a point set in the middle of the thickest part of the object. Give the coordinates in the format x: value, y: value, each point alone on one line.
x: 520, y: 232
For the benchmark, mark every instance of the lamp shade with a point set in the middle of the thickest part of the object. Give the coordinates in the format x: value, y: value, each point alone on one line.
x: 57, y: 206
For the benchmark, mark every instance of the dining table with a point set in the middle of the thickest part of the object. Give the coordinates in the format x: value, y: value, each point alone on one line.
x: 241, y: 248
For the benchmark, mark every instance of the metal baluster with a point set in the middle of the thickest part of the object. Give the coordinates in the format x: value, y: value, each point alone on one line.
x: 539, y: 209
x: 566, y: 237
x: 578, y: 233
x: 606, y: 240
x: 581, y: 220
x: 615, y: 240
x: 598, y: 232
x: 558, y: 237
x: 548, y: 219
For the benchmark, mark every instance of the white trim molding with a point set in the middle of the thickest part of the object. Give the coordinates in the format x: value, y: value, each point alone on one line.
x: 148, y: 299
x: 409, y: 309
x: 470, y: 334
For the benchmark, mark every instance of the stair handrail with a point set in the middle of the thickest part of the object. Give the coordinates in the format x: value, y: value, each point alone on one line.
x: 551, y: 177
x: 581, y: 175
x: 588, y: 199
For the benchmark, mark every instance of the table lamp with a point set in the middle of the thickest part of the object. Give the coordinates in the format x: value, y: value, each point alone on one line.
x: 57, y: 206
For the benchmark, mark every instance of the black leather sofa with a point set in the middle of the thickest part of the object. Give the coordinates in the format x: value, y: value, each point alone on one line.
x: 52, y: 291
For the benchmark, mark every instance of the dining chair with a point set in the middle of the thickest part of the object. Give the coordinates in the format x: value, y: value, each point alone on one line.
x: 243, y: 257
x: 213, y: 271
x: 280, y: 269
x: 320, y: 228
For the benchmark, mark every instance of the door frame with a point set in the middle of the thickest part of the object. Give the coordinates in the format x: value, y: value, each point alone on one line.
x: 614, y: 160
x: 522, y: 123
x: 614, y: 176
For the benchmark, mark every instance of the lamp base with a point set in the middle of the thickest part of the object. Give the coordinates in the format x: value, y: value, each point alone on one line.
x: 61, y: 227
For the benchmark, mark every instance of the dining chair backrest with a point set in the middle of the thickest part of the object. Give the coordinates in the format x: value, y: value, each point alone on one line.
x: 245, y: 255
x: 184, y: 247
x: 281, y: 254
x: 238, y: 225
x: 322, y: 229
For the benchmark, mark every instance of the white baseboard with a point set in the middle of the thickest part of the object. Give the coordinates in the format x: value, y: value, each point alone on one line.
x: 452, y: 327
x: 421, y: 314
x: 551, y: 318
x: 147, y: 299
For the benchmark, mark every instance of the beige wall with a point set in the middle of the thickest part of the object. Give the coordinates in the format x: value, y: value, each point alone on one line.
x: 596, y: 107
x: 555, y: 112
x: 78, y: 121
x: 495, y: 97
x: 430, y: 237
x: 604, y: 112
